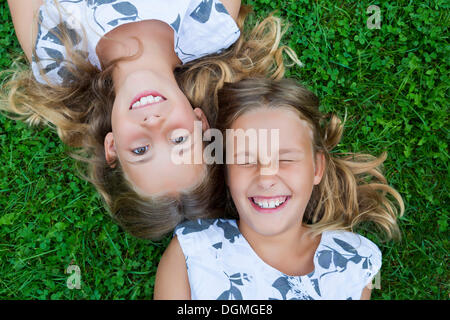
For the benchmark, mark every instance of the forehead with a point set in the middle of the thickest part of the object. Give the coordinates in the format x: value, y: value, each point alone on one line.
x: 293, y: 131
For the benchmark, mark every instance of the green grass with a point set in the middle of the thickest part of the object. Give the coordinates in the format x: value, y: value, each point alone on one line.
x: 392, y: 84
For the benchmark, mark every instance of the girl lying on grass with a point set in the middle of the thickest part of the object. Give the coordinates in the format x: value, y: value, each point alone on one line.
x: 290, y: 235
x: 118, y: 79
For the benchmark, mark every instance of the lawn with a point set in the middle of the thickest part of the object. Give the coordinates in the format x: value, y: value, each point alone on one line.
x: 391, y: 84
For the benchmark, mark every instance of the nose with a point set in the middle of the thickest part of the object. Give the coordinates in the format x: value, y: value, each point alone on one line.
x: 266, y: 182
x: 154, y: 120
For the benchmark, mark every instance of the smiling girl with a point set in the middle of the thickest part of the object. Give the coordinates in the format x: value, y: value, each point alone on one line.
x: 292, y: 233
x: 118, y: 79
x: 138, y: 44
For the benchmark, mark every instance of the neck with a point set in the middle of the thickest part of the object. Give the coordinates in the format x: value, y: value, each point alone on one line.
x: 154, y: 50
x: 291, y: 241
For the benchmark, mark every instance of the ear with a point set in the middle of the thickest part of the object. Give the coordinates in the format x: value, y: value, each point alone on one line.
x: 319, y: 168
x: 110, y: 150
x: 201, y: 116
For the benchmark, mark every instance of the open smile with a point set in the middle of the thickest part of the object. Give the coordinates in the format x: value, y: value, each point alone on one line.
x: 145, y: 99
x: 269, y: 204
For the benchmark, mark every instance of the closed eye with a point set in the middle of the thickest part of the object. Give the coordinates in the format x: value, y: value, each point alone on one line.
x: 248, y: 164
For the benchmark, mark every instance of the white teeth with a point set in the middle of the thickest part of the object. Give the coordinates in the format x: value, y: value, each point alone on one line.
x: 270, y: 204
x: 146, y: 100
x: 136, y: 104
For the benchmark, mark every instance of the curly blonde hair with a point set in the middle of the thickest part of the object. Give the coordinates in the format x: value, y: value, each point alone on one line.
x: 353, y: 191
x: 80, y: 112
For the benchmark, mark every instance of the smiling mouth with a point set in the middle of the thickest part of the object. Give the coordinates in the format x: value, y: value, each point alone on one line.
x: 269, y: 204
x: 145, y: 99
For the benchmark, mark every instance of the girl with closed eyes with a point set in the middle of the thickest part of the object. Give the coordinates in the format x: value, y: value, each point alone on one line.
x: 288, y: 232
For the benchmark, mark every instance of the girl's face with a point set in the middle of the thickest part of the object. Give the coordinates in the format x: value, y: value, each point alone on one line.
x: 150, y: 117
x: 271, y: 204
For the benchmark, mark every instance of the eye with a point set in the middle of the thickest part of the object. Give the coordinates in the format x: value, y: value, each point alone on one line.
x: 246, y: 161
x: 140, y: 151
x: 248, y: 164
x: 180, y: 140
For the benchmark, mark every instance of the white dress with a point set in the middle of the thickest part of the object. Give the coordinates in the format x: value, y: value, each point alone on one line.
x: 201, y: 27
x: 222, y: 265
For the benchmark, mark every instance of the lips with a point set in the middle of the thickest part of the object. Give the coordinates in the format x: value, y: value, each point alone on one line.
x: 269, y: 204
x: 145, y: 99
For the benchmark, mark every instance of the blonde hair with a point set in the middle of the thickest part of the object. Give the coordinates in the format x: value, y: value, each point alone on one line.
x: 353, y: 191
x: 80, y: 112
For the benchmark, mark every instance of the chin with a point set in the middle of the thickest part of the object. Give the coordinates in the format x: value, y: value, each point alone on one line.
x: 267, y: 228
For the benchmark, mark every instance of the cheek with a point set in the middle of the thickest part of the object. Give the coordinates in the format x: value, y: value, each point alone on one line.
x: 299, y: 177
x: 236, y: 178
x: 119, y: 119
x: 182, y: 115
x: 126, y: 134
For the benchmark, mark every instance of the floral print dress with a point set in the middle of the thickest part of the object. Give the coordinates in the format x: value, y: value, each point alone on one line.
x: 222, y: 265
x: 201, y: 27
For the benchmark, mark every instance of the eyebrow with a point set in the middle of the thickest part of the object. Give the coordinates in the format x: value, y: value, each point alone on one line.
x: 287, y: 150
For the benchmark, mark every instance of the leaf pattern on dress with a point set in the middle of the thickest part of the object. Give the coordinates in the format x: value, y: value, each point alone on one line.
x: 50, y: 67
x: 344, y: 245
x: 203, y: 11
x: 315, y: 283
x: 332, y: 257
x: 234, y: 293
x: 230, y: 231
x: 298, y: 292
x: 291, y: 287
x: 68, y: 1
x: 191, y: 226
x: 99, y: 2
x: 54, y: 34
x: 54, y: 54
x: 365, y: 264
x: 324, y: 258
x: 356, y: 259
x: 115, y: 22
x: 105, y: 15
x: 176, y: 24
x: 282, y: 285
x: 94, y: 4
x: 220, y: 8
x: 125, y: 8
x: 340, y: 261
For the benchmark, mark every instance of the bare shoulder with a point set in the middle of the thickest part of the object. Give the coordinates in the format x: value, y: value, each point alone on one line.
x: 172, y: 282
x: 232, y: 7
x: 22, y: 13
